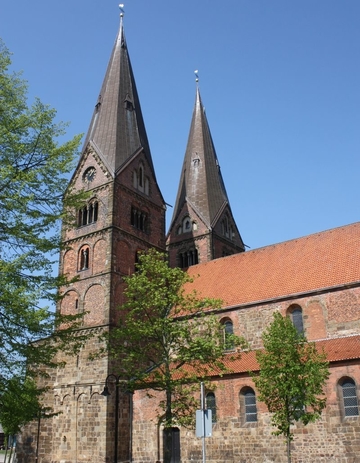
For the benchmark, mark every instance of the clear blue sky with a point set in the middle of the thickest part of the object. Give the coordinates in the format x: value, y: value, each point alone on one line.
x: 280, y: 81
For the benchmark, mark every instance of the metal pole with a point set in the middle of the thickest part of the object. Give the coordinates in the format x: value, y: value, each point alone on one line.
x: 116, y: 420
x: 106, y: 393
x: 131, y: 413
x: 202, y: 398
x: 38, y: 438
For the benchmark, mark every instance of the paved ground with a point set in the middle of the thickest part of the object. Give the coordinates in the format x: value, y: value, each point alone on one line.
x: 2, y: 457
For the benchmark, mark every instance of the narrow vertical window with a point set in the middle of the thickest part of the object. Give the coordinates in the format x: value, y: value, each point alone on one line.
x: 297, y: 318
x: 141, y: 177
x: 186, y: 224
x: 349, y: 397
x: 228, y: 331
x: 96, y: 208
x: 84, y: 216
x: 91, y: 213
x: 80, y: 220
x: 248, y: 404
x: 84, y: 259
x: 211, y: 405
x: 196, y: 257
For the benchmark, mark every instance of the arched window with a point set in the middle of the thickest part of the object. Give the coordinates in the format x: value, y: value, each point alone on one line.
x: 135, y: 179
x: 188, y: 258
x: 140, y: 181
x: 88, y: 214
x: 96, y: 209
x: 84, y: 216
x: 248, y: 405
x: 186, y: 224
x: 84, y: 258
x: 349, y: 397
x: 296, y: 315
x: 225, y: 227
x: 91, y: 213
x: 141, y: 177
x: 139, y: 219
x: 228, y: 331
x: 211, y: 405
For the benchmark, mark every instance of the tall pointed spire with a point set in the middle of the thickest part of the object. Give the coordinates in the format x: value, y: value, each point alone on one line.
x: 201, y: 181
x: 202, y: 198
x: 117, y: 129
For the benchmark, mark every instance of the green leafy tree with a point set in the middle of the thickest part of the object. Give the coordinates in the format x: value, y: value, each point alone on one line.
x: 292, y: 377
x: 167, y: 340
x: 33, y: 179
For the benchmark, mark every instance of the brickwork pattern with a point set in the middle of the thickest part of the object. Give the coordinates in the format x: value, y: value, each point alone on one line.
x: 333, y: 438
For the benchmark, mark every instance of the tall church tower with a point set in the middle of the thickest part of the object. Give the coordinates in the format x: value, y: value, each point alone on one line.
x: 124, y: 213
x: 202, y: 227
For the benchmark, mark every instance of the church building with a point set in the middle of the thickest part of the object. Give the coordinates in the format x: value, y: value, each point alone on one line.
x: 315, y: 280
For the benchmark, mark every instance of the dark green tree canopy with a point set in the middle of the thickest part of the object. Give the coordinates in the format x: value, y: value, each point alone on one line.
x: 34, y: 169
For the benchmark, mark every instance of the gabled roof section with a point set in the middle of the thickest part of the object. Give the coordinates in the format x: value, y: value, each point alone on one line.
x: 201, y: 181
x: 117, y: 128
x: 314, y: 263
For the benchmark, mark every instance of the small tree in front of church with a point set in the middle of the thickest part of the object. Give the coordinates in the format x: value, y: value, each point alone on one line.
x: 168, y: 339
x: 292, y: 377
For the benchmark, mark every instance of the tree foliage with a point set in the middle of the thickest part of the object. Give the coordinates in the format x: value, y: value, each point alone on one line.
x: 33, y: 179
x: 292, y: 377
x: 166, y: 338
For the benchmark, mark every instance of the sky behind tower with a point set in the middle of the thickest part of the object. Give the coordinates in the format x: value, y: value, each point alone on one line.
x: 279, y: 80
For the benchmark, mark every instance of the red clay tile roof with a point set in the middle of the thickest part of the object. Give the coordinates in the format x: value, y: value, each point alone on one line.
x: 337, y: 349
x: 344, y: 348
x: 322, y: 260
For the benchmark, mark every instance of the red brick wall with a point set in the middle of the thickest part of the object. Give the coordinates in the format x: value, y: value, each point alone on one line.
x: 331, y: 439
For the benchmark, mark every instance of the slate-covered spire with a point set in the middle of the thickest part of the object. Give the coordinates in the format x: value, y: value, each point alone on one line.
x: 202, y: 226
x: 201, y: 181
x: 117, y: 129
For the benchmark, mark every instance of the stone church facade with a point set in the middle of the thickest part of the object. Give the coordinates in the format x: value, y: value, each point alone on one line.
x: 315, y: 280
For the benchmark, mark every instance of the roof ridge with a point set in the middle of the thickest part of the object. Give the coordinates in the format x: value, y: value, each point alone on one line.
x: 337, y: 337
x: 322, y: 232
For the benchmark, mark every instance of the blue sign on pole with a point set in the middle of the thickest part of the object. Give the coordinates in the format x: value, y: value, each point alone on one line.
x: 203, y: 423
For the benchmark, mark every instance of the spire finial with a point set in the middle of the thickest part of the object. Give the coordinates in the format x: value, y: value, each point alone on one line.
x: 122, y: 12
x: 196, y: 72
